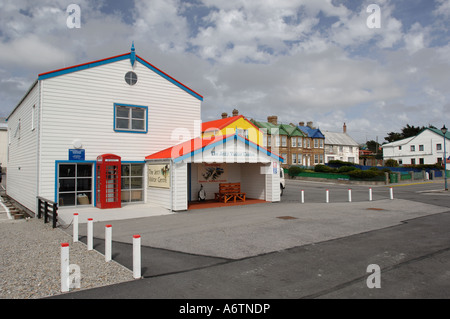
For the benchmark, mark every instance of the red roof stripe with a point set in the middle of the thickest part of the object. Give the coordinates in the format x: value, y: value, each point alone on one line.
x: 194, y: 145
x: 159, y: 70
x: 185, y: 147
x: 221, y: 123
x: 78, y: 65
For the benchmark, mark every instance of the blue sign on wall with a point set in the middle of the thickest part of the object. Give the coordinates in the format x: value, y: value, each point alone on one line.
x: 76, y: 155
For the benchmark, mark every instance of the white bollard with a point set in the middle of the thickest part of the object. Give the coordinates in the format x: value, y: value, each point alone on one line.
x: 108, y: 242
x: 75, y: 227
x: 349, y: 195
x: 90, y: 235
x: 64, y: 267
x: 303, y: 196
x: 370, y: 194
x: 136, y: 256
x: 327, y: 197
x: 391, y: 191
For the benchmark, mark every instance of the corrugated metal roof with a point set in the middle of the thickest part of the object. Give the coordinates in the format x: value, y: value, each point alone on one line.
x: 334, y: 138
x: 399, y: 142
x: 311, y: 132
x: 283, y: 129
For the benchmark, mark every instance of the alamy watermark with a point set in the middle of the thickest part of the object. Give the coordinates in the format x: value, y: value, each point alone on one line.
x: 74, y: 278
x: 374, y: 280
x: 374, y: 19
x: 74, y: 18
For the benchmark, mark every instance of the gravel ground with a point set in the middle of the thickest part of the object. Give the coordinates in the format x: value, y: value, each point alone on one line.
x: 30, y: 261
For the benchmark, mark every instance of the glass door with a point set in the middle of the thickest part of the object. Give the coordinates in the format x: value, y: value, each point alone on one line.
x: 74, y: 184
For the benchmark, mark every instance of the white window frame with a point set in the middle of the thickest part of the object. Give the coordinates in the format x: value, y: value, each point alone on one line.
x: 283, y: 139
x: 293, y: 142
x: 130, y: 118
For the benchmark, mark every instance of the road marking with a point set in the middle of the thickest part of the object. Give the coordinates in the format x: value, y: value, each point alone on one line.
x: 420, y: 183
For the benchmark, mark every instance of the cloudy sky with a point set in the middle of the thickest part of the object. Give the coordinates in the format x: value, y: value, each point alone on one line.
x: 303, y: 60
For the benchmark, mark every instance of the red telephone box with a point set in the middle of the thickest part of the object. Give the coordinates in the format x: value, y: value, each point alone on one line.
x: 109, y: 181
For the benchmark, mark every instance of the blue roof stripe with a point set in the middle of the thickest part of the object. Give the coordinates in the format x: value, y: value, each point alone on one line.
x: 170, y: 79
x: 80, y: 67
x: 223, y: 141
x: 130, y: 56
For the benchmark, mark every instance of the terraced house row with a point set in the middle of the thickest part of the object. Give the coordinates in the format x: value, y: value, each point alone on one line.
x: 298, y: 144
x: 303, y: 145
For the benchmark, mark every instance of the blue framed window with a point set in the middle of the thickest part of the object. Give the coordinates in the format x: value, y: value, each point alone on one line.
x: 130, y: 118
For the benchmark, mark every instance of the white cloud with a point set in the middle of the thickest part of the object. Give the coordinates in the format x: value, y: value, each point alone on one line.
x: 298, y: 59
x: 443, y: 8
x: 28, y: 52
x: 159, y: 23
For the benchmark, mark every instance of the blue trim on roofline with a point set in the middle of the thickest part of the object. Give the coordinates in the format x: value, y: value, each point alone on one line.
x: 133, y: 57
x: 235, y: 136
x: 83, y: 67
x: 168, y: 78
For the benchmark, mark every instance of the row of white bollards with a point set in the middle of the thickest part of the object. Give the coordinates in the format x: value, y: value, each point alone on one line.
x: 65, y: 266
x: 327, y: 195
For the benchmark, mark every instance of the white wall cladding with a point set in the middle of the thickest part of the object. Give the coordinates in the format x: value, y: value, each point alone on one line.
x: 273, y: 184
x: 253, y: 181
x: 159, y: 196
x: 179, y: 187
x: 22, y: 163
x: 80, y: 106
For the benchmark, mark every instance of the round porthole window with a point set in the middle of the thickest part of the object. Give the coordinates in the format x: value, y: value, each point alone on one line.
x: 131, y: 78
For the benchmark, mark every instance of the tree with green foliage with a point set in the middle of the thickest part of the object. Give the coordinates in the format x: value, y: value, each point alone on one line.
x: 407, y: 131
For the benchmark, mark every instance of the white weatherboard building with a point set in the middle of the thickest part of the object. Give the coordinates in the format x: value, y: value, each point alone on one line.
x: 427, y: 147
x: 340, y: 146
x: 78, y: 118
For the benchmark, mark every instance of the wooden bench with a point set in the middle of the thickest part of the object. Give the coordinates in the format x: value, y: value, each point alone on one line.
x: 228, y: 191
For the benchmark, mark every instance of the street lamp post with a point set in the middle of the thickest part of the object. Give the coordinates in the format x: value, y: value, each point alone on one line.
x: 444, y: 131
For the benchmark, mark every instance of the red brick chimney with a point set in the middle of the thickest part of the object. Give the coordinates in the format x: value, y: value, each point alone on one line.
x: 272, y: 119
x: 344, y: 128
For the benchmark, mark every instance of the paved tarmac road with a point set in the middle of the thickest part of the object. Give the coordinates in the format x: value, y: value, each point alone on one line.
x: 316, y: 250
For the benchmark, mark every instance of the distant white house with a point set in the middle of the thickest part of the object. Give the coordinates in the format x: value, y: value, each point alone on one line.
x: 427, y: 147
x: 341, y: 146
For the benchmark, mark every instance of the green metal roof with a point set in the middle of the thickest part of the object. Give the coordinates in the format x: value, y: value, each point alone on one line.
x: 438, y: 131
x: 283, y: 129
